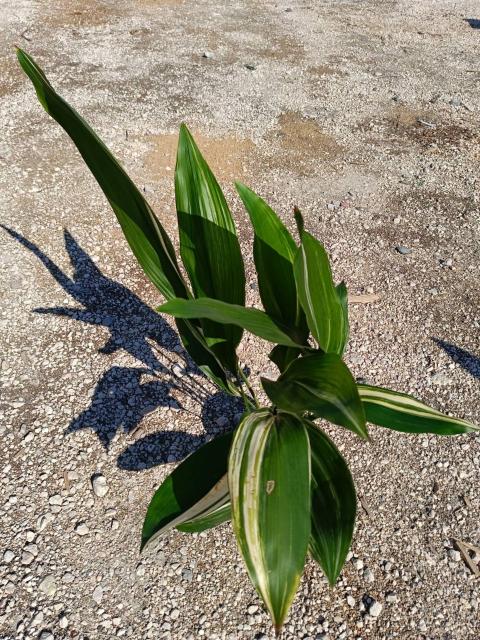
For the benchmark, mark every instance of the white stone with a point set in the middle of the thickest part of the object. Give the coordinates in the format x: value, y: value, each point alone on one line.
x: 97, y: 594
x: 8, y: 556
x: 82, y: 529
x: 99, y: 485
x: 375, y: 609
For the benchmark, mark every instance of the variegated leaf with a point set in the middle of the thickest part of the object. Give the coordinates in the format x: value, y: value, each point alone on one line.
x: 403, y: 412
x: 194, y: 489
x: 269, y: 479
x: 212, y: 518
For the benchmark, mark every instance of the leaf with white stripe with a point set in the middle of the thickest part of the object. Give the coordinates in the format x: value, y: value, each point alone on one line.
x: 322, y: 384
x: 334, y: 504
x: 269, y: 479
x: 402, y: 412
x: 194, y: 489
x: 213, y: 518
x: 322, y: 303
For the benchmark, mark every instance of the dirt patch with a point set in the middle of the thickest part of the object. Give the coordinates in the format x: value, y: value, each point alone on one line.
x: 301, y: 144
x: 228, y: 157
x: 283, y: 48
x: 404, y: 126
x: 322, y: 70
x: 79, y: 13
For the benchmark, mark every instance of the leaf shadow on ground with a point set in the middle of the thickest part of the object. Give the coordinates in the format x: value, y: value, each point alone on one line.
x: 125, y: 395
x: 473, y: 22
x: 465, y: 359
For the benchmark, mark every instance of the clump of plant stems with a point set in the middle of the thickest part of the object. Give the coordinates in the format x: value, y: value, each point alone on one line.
x: 277, y: 476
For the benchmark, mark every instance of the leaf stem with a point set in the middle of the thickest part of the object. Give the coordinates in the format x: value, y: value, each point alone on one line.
x: 243, y: 379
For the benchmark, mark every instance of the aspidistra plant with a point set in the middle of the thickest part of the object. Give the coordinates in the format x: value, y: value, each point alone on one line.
x: 278, y: 477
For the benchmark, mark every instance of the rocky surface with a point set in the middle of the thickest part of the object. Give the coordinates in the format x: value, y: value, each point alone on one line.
x: 364, y: 114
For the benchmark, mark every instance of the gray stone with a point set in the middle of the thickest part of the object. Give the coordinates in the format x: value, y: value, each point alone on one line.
x: 404, y: 251
x: 48, y: 586
x: 454, y: 555
x: 8, y: 556
x: 208, y: 54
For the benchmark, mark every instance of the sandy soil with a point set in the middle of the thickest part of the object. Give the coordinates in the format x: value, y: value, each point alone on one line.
x: 365, y: 114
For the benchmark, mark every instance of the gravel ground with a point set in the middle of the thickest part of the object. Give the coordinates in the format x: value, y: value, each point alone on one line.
x: 365, y: 114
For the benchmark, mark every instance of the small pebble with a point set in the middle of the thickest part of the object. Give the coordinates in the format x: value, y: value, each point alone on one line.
x: 82, y: 529
x: 375, y: 608
x: 454, y: 555
x: 8, y: 556
x: 358, y: 564
x: 404, y: 251
x: 97, y: 594
x: 63, y: 622
x: 99, y: 485
x: 46, y: 634
x: 48, y: 586
x: 56, y: 500
x: 208, y: 55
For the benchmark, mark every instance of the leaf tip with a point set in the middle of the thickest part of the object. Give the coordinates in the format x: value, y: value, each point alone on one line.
x: 299, y: 220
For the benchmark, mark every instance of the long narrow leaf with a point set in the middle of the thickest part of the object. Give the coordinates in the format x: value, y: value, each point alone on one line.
x: 208, y: 243
x: 211, y: 519
x: 334, y: 504
x: 402, y: 412
x: 320, y: 383
x: 274, y: 251
x: 320, y: 300
x: 269, y: 479
x: 195, y: 488
x: 144, y: 233
x: 253, y: 320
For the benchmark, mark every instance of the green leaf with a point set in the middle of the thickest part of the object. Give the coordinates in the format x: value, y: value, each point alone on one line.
x: 402, y: 412
x: 342, y: 294
x: 282, y: 356
x: 334, y: 504
x: 194, y: 342
x: 322, y: 304
x: 208, y: 243
x: 269, y: 480
x: 274, y: 251
x: 322, y: 384
x: 144, y: 233
x: 196, y: 487
x: 253, y: 320
x: 211, y: 519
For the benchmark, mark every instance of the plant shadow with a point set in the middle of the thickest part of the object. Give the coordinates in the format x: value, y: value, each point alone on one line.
x: 473, y: 22
x: 465, y: 359
x: 125, y: 395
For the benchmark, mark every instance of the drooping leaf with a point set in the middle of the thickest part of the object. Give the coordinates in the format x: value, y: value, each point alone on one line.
x: 322, y: 384
x: 253, y: 320
x: 211, y: 519
x: 274, y: 251
x: 282, y: 356
x: 269, y: 480
x: 402, y: 412
x: 322, y: 304
x: 208, y: 243
x: 144, y: 233
x: 334, y: 504
x: 196, y: 487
